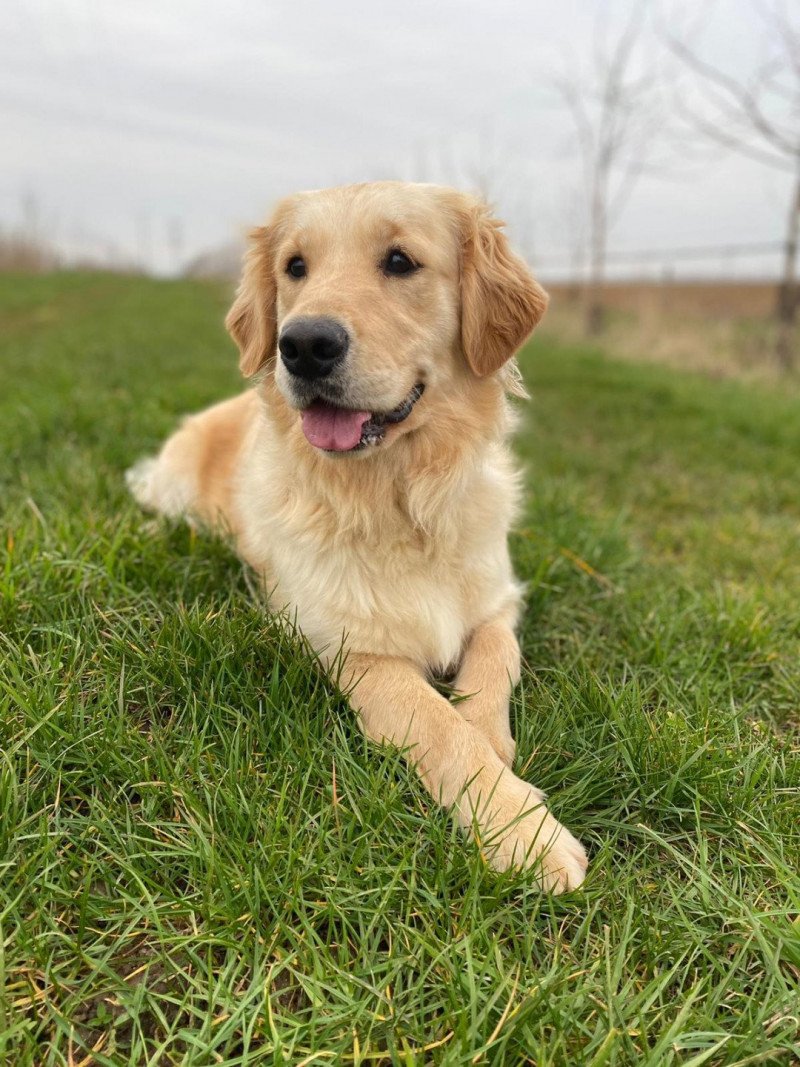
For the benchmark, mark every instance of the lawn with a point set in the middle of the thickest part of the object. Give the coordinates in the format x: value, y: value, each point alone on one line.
x: 202, y: 862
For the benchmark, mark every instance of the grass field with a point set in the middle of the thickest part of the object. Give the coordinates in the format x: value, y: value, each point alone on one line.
x: 723, y: 329
x: 202, y: 862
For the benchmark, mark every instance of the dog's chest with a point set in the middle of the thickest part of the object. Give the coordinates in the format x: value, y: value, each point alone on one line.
x: 379, y: 583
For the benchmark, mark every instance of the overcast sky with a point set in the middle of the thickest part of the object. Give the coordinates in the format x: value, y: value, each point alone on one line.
x: 160, y: 128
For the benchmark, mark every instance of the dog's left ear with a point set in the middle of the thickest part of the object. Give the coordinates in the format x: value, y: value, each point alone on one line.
x: 501, y: 302
x: 252, y: 320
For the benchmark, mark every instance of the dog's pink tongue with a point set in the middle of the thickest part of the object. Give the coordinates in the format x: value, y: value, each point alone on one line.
x: 334, y: 429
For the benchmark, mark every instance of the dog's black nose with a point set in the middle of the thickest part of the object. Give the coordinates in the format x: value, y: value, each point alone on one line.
x: 313, y: 347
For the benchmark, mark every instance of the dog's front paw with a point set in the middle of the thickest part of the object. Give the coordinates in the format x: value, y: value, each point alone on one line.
x: 504, y: 745
x: 492, y: 721
x: 517, y: 830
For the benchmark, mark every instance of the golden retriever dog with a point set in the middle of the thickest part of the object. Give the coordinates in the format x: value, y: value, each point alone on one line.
x: 366, y: 478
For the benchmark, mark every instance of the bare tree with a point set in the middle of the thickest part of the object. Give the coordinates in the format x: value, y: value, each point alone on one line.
x: 616, y: 111
x: 488, y: 168
x: 757, y: 114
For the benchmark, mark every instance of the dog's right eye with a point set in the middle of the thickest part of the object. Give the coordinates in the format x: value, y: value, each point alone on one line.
x: 296, y: 267
x: 398, y: 262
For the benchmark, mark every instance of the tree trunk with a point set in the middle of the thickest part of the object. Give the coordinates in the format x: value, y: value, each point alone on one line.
x: 594, y: 299
x: 594, y: 310
x: 786, y: 310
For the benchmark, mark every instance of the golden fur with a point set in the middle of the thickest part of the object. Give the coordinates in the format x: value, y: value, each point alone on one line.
x: 396, y: 552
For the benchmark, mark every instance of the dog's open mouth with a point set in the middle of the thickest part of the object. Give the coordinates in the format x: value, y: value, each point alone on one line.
x: 338, y: 429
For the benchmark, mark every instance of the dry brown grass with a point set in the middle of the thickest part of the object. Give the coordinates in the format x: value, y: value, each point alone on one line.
x: 25, y: 254
x: 728, y: 299
x: 720, y: 329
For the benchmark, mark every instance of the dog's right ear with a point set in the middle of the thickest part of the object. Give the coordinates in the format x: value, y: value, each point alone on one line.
x: 252, y: 320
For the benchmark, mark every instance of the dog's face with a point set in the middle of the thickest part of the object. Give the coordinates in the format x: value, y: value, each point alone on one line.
x: 373, y: 301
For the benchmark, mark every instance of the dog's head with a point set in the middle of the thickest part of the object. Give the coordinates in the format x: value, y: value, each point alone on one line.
x: 373, y: 302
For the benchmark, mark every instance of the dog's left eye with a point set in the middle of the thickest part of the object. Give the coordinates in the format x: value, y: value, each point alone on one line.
x: 398, y: 262
x: 296, y: 267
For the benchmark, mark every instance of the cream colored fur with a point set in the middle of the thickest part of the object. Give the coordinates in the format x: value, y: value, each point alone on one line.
x: 397, y: 553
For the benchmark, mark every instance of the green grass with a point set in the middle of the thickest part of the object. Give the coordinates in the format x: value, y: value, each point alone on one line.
x: 202, y: 862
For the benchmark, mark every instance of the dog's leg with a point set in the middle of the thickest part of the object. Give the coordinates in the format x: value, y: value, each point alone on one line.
x: 194, y: 473
x: 461, y: 769
x: 488, y: 673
